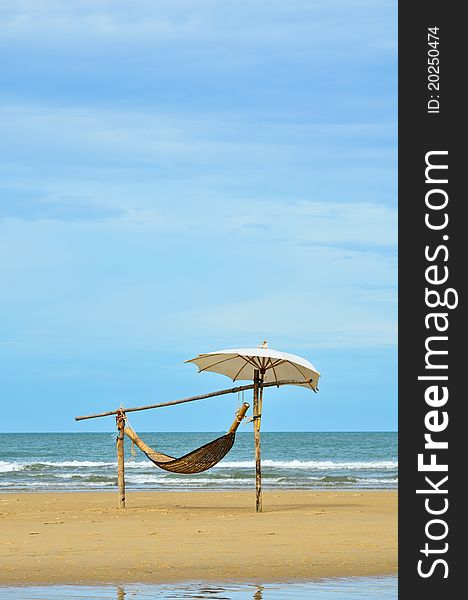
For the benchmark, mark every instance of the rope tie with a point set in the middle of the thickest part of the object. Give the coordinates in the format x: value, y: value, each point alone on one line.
x: 251, y: 419
x: 120, y: 419
x: 133, y: 452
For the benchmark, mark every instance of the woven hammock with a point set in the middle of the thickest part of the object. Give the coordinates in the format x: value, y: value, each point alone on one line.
x: 198, y: 460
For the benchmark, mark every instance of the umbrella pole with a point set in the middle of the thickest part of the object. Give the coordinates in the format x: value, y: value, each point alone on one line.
x: 257, y: 415
x: 120, y: 419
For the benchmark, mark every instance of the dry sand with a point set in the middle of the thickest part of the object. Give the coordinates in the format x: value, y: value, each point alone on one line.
x: 162, y: 536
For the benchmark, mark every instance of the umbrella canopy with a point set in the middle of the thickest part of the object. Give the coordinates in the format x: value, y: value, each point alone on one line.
x: 274, y: 366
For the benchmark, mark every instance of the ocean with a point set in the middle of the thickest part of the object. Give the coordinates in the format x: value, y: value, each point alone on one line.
x: 355, y: 588
x: 298, y: 460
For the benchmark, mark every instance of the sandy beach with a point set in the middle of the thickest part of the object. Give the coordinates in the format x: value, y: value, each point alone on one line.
x: 83, y: 537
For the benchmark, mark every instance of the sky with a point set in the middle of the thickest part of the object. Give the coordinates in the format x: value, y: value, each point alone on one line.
x: 181, y: 177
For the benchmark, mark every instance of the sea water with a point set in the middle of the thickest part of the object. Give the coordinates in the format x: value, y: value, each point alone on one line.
x: 306, y: 460
x: 354, y: 588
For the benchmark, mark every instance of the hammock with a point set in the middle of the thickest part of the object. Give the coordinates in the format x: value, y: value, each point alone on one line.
x: 198, y: 460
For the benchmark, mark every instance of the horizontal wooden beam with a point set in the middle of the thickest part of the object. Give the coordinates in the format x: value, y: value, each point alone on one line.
x: 233, y: 390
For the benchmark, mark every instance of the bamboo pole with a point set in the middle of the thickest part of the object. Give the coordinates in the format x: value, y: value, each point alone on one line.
x: 260, y: 397
x: 256, y: 416
x: 240, y: 414
x: 120, y: 420
x: 233, y: 390
x: 153, y: 454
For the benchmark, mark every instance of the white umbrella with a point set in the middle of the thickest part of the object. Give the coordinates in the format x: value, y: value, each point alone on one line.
x: 262, y: 365
x: 274, y: 366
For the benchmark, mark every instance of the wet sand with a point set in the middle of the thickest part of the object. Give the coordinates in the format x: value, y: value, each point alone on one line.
x: 84, y: 538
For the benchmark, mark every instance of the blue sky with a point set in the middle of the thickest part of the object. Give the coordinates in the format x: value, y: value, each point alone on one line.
x: 180, y: 177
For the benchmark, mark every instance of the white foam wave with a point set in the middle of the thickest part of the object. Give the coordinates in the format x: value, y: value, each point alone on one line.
x: 90, y: 463
x: 77, y: 463
x: 353, y: 479
x: 6, y: 467
x: 311, y: 464
x: 141, y: 479
x: 9, y: 467
x: 371, y: 480
x: 55, y: 484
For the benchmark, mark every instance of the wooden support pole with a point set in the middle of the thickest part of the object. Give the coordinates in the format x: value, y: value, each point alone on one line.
x: 239, y: 388
x: 256, y: 427
x: 120, y: 420
x: 260, y: 397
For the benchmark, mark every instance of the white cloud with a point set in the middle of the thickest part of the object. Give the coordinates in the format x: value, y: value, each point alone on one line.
x: 314, y: 23
x: 113, y: 284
